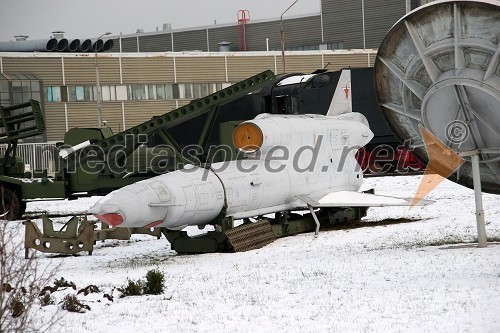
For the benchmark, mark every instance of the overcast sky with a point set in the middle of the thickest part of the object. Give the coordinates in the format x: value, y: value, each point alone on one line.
x: 91, y: 18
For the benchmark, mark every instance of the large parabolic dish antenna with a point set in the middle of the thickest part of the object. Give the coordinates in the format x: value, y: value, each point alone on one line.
x: 438, y: 67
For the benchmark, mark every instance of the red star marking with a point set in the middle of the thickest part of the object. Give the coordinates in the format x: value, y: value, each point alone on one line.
x: 346, y: 90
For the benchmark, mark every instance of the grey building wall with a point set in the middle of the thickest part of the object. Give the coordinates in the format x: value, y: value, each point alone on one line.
x: 156, y: 43
x: 190, y: 40
x: 342, y: 22
x: 129, y: 44
x: 379, y: 19
x: 258, y: 32
x: 298, y: 32
x: 223, y: 34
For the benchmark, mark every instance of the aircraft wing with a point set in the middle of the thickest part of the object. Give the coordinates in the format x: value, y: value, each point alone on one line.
x: 358, y: 199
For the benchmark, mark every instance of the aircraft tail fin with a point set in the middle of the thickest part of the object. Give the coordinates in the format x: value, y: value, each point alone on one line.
x: 342, y: 97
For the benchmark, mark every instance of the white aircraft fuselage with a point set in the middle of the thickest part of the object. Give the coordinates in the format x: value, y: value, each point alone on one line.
x: 299, y: 155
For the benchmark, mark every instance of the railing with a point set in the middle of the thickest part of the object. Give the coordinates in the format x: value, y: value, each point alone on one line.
x: 36, y: 156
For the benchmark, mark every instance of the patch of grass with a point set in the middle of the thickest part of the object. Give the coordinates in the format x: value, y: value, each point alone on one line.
x: 454, y: 241
x: 444, y: 241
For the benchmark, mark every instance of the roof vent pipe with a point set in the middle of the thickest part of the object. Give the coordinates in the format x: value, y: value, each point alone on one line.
x: 58, y: 34
x: 97, y: 45
x: 21, y: 37
x: 43, y: 45
x: 224, y: 46
x: 85, y: 45
x: 74, y: 45
x: 62, y: 45
x: 108, y: 45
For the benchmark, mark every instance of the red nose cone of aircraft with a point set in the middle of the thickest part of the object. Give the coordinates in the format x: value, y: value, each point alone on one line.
x: 112, y: 219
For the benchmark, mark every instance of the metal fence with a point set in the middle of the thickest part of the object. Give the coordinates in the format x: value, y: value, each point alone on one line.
x: 36, y: 156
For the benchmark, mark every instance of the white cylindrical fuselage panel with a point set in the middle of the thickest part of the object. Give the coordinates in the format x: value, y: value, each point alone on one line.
x: 176, y: 199
x: 297, y: 131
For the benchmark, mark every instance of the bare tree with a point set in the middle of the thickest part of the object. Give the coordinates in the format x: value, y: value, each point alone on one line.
x: 21, y: 281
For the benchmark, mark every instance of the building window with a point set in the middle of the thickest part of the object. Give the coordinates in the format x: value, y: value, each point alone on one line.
x: 108, y: 93
x: 176, y: 91
x: 160, y: 90
x: 303, y: 48
x: 213, y: 87
x: 4, y: 92
x: 53, y: 94
x: 205, y: 89
x: 185, y: 91
x: 164, y: 91
x: 64, y: 93
x: 152, y: 91
x: 188, y: 88
x: 89, y: 93
x: 83, y: 93
x: 121, y: 93
x: 17, y: 88
x: 197, y: 90
x: 20, y: 91
x: 336, y: 46
x: 137, y: 92
x: 168, y: 91
x: 79, y: 94
x: 171, y: 91
x: 76, y: 94
x: 23, y: 91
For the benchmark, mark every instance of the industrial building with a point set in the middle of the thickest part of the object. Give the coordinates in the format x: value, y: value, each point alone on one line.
x: 357, y: 24
x: 147, y: 74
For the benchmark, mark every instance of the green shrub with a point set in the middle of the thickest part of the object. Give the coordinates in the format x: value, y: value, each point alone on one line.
x: 154, y: 282
x: 133, y: 288
x: 17, y: 306
x: 88, y: 290
x: 153, y: 285
x: 72, y: 304
x: 63, y: 283
x: 46, y: 299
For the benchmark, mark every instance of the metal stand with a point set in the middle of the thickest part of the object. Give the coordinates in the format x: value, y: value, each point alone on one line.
x: 316, y: 231
x: 476, y: 177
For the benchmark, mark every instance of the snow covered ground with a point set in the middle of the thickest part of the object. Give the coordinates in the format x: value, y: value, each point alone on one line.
x: 407, y: 277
